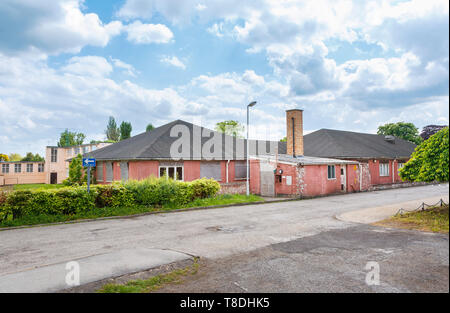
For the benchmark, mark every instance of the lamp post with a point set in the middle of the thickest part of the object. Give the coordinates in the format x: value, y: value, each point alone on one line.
x: 248, y: 167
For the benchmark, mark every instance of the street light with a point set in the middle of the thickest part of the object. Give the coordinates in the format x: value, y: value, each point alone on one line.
x: 248, y: 107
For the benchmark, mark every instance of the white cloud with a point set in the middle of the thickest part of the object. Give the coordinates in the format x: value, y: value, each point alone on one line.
x: 140, y: 33
x: 128, y: 69
x: 51, y: 27
x: 88, y: 66
x: 174, y: 61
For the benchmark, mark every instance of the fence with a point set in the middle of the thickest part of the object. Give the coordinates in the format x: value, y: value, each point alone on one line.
x: 422, y: 207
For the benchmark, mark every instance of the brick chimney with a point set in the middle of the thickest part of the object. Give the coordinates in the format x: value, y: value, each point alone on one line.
x: 294, y: 127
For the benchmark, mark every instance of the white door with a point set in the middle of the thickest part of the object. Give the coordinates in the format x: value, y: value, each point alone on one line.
x: 343, y: 178
x: 267, y: 177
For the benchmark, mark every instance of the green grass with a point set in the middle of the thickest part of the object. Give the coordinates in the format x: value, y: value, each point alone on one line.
x: 37, y: 186
x: 124, y: 211
x: 153, y: 283
x: 433, y: 220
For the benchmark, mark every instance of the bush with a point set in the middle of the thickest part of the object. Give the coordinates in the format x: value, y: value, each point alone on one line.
x: 73, y: 200
x: 204, y: 188
x: 113, y: 195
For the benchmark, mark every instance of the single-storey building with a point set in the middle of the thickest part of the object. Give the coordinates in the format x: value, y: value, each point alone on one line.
x: 21, y: 172
x: 320, y: 163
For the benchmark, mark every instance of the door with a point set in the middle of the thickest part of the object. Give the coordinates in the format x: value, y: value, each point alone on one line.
x: 343, y: 178
x: 53, y: 178
x: 267, y: 179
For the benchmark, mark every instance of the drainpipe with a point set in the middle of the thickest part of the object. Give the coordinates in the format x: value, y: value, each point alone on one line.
x: 360, y: 176
x: 393, y: 174
x: 228, y: 162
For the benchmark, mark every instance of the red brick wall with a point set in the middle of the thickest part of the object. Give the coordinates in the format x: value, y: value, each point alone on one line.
x: 191, y: 170
x: 316, y: 182
x: 282, y: 188
x: 352, y: 178
x: 255, y: 178
x: 142, y: 169
x: 116, y: 171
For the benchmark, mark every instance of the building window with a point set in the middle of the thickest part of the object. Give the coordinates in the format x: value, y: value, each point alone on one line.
x: 85, y: 149
x: 211, y: 170
x: 17, y: 168
x: 109, y: 171
x: 77, y: 150
x: 384, y: 169
x: 40, y: 168
x: 331, y: 172
x: 100, y: 171
x: 5, y: 168
x: 93, y: 148
x: 54, y: 155
x: 240, y: 169
x: 69, y: 152
x: 124, y: 170
x: 29, y: 168
x: 400, y: 166
x: 173, y: 172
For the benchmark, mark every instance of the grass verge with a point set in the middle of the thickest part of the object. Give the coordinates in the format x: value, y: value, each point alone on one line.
x: 37, y: 186
x: 435, y: 219
x: 125, y: 211
x: 153, y: 283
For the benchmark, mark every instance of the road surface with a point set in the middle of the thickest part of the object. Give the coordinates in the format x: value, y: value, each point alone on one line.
x: 211, y: 234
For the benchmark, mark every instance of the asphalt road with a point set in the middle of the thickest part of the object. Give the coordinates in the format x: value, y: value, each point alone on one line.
x: 211, y: 234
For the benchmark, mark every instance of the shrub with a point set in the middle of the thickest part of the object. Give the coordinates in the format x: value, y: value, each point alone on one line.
x: 205, y: 188
x: 113, y: 195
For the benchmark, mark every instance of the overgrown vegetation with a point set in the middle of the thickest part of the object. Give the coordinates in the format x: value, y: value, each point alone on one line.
x: 40, y: 206
x: 430, y: 160
x: 435, y: 219
x: 153, y: 283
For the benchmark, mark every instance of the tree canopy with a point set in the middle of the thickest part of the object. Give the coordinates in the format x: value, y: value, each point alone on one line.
x: 4, y: 157
x: 69, y: 138
x: 430, y: 160
x: 230, y: 127
x: 112, y: 132
x: 30, y: 157
x: 125, y: 130
x: 150, y: 127
x: 406, y: 131
x: 430, y: 130
x: 15, y: 157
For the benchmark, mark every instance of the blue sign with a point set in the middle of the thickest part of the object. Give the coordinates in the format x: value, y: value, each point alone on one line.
x: 89, y: 163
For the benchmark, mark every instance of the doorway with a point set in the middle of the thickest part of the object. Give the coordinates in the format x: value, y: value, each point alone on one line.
x: 343, y: 178
x: 53, y: 178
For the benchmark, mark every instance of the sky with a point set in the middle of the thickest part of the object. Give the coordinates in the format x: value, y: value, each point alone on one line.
x: 350, y: 65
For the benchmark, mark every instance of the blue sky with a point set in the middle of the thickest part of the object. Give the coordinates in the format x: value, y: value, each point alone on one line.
x: 351, y: 65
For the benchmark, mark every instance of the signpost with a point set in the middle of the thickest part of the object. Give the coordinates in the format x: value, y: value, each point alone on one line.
x: 88, y: 163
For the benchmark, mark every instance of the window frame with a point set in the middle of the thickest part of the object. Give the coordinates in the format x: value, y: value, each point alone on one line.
x: 382, y: 166
x: 30, y: 165
x: 334, y: 172
x: 41, y: 168
x: 5, y: 168
x: 17, y: 166
x: 166, y: 168
x: 54, y: 155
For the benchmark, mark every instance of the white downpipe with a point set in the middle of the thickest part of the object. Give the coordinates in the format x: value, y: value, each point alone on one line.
x: 228, y: 162
x: 360, y: 176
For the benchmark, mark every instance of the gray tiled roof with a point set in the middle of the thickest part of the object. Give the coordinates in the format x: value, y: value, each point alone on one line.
x: 330, y: 143
x: 156, y: 145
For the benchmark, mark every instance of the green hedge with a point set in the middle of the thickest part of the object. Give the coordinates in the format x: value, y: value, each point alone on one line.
x: 73, y: 200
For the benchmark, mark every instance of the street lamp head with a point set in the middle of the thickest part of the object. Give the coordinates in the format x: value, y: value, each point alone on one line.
x: 252, y: 103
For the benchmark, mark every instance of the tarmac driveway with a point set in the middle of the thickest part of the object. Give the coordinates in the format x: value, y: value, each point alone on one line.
x: 211, y: 234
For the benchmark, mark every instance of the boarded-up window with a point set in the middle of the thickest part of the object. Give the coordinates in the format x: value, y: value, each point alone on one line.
x: 124, y: 170
x: 240, y: 169
x: 100, y: 171
x: 211, y: 170
x: 109, y: 171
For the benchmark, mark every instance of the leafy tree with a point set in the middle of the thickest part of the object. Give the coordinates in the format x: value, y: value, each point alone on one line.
x: 32, y: 158
x: 4, y: 157
x: 150, y: 127
x: 69, y: 138
x: 430, y: 130
x: 284, y: 139
x: 232, y: 128
x: 76, y: 173
x: 112, y: 131
x: 406, y: 131
x: 15, y: 157
x: 125, y: 130
x: 430, y: 160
